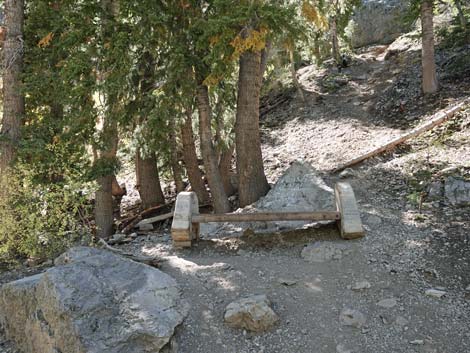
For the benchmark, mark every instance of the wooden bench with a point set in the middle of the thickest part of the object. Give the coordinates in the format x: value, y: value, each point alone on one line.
x: 186, y: 217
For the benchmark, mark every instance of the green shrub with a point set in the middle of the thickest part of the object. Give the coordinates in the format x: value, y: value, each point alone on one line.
x: 38, y: 220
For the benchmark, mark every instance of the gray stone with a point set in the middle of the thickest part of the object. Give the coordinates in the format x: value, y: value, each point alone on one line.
x: 299, y: 189
x: 387, y: 303
x: 457, y: 191
x: 417, y: 342
x: 341, y: 348
x: 93, y: 301
x: 347, y: 173
x: 252, y: 313
x: 435, y: 190
x: 323, y: 252
x: 351, y: 317
x: 146, y: 227
x: 435, y: 293
x: 287, y: 281
x: 358, y: 286
x: 378, y: 22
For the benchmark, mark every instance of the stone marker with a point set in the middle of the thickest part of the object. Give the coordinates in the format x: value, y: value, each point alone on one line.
x: 351, y: 225
x: 252, y: 313
x: 93, y: 301
x: 183, y: 231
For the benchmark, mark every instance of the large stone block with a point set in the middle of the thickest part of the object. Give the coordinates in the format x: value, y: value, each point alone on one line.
x: 93, y: 301
x: 183, y: 230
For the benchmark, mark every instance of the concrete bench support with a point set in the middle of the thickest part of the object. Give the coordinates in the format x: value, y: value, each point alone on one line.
x: 350, y: 224
x: 183, y: 230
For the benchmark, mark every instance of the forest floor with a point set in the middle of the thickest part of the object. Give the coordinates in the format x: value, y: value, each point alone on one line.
x: 405, y: 252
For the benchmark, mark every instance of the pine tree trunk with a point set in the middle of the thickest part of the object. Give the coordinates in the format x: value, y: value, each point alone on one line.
x: 334, y: 41
x: 191, y: 161
x: 430, y: 83
x: 225, y: 168
x: 219, y: 197
x: 148, y: 181
x: 252, y: 180
x: 104, y: 205
x: 463, y: 22
x: 104, y: 217
x: 13, y: 99
x: 293, y: 71
x: 174, y: 162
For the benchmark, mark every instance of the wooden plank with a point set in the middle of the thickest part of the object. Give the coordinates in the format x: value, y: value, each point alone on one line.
x: 267, y: 216
x: 350, y: 224
x: 437, y: 119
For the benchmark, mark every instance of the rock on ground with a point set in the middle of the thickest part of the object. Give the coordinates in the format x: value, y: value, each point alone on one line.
x: 457, y: 191
x: 351, y: 317
x: 252, y: 313
x: 323, y: 251
x: 299, y: 189
x: 378, y: 22
x: 93, y: 301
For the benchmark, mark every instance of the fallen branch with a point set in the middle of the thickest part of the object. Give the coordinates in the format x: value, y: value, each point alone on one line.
x: 155, y: 219
x: 129, y: 223
x: 437, y: 119
x: 148, y: 260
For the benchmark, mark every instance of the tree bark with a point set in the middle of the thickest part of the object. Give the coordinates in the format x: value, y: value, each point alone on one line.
x: 148, y: 181
x: 225, y: 168
x: 104, y: 217
x: 463, y: 22
x: 252, y: 180
x: 334, y: 41
x: 430, y: 83
x: 174, y: 161
x: 191, y: 161
x: 13, y: 98
x: 293, y: 72
x: 219, y: 197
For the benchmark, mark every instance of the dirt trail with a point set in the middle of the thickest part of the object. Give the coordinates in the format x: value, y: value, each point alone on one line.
x: 404, y: 253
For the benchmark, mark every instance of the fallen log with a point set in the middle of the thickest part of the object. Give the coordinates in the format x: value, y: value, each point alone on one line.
x: 437, y: 119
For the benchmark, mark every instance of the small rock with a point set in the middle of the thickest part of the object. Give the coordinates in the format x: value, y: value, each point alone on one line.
x: 436, y: 293
x: 387, y: 303
x: 340, y: 348
x: 323, y: 252
x: 417, y: 342
x: 351, y: 317
x: 252, y: 313
x: 146, y: 227
x: 373, y: 220
x: 468, y: 288
x: 287, y: 282
x: 401, y: 321
x: 361, y: 285
x: 347, y: 173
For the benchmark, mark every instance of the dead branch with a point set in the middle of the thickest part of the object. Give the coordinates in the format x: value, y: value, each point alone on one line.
x: 148, y: 260
x: 437, y: 119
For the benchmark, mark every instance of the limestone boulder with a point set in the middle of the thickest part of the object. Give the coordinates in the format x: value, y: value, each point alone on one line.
x: 457, y: 191
x: 252, y: 313
x: 299, y: 189
x: 378, y: 22
x: 93, y: 301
